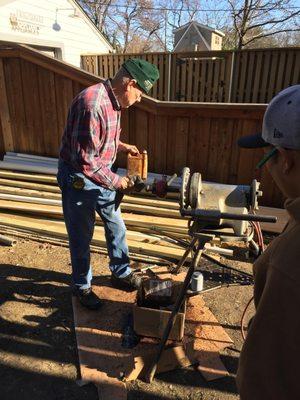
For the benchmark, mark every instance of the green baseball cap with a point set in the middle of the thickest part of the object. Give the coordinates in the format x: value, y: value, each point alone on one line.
x: 145, y: 73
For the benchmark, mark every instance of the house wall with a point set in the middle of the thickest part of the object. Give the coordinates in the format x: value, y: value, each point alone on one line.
x: 33, y: 22
x: 216, y: 41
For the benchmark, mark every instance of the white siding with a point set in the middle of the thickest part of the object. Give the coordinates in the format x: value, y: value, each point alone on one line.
x: 216, y: 41
x: 76, y: 35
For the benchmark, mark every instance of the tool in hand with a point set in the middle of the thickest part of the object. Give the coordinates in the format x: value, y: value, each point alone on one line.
x: 137, y: 171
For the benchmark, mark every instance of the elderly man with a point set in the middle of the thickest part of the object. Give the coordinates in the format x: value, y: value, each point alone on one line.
x: 269, y: 362
x: 89, y: 146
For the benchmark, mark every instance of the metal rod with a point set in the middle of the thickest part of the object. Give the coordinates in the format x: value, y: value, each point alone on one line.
x: 185, y: 256
x: 216, y: 215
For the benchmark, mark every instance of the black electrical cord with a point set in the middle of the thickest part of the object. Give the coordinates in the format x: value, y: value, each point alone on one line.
x: 261, y: 245
x: 243, y: 318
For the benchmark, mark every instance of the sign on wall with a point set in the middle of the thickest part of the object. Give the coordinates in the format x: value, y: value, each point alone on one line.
x: 26, y: 22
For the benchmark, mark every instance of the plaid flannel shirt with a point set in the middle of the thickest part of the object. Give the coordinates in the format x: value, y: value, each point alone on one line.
x: 91, y: 136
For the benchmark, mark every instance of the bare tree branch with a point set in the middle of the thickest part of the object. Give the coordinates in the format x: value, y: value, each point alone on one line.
x: 270, y: 34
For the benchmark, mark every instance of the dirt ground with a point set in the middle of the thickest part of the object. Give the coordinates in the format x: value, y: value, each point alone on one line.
x: 38, y: 358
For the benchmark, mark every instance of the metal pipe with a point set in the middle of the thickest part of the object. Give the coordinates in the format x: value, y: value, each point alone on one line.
x: 217, y: 215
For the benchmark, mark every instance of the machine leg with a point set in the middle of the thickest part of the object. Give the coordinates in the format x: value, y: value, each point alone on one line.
x: 201, y: 243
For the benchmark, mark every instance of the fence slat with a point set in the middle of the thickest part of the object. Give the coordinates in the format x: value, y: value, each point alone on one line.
x: 257, y: 76
x: 288, y: 69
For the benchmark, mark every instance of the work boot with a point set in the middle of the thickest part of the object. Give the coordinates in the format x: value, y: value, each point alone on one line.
x: 131, y: 282
x: 88, y: 298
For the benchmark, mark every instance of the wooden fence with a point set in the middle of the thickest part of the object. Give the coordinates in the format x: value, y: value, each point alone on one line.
x: 246, y: 76
x: 36, y: 91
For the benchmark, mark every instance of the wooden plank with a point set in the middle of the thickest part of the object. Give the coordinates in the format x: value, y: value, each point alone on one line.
x: 203, y: 81
x: 196, y: 85
x: 16, y: 104
x: 226, y: 143
x: 141, y: 126
x: 198, y: 144
x: 32, y: 106
x: 263, y: 98
x: 237, y: 128
x: 245, y: 166
x: 190, y: 78
x: 53, y: 192
x: 167, y: 77
x: 273, y: 75
x: 281, y: 71
x: 243, y: 77
x: 222, y: 82
x: 2, y: 147
x: 178, y: 130
x: 216, y: 80
x: 7, y: 134
x: 155, y: 91
x: 28, y: 177
x: 160, y: 82
x: 50, y: 133
x: 257, y: 77
x: 288, y: 69
x: 183, y: 78
x: 236, y: 74
x: 250, y: 78
x: 64, y: 97
x: 296, y: 75
x: 173, y: 78
x: 210, y: 74
x: 150, y: 209
x: 214, y: 152
x: 160, y: 144
x: 151, y: 141
x: 227, y: 62
x: 211, y: 367
x: 129, y: 219
x: 57, y: 229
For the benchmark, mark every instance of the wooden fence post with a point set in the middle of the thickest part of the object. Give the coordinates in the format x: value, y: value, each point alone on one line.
x: 169, y: 77
x: 231, y: 76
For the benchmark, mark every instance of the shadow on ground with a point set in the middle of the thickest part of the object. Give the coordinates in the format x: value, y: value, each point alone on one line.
x: 38, y: 348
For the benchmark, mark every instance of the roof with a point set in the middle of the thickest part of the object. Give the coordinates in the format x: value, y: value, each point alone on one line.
x: 91, y: 22
x: 198, y: 25
x: 199, y: 33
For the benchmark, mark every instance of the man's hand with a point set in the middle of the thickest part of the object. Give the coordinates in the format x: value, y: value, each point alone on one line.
x: 128, y: 148
x: 126, y: 185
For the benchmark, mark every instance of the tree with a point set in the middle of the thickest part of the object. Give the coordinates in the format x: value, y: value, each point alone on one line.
x: 123, y: 22
x: 98, y: 11
x: 254, y: 20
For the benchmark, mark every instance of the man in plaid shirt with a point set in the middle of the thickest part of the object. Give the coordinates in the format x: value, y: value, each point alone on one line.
x: 90, y: 143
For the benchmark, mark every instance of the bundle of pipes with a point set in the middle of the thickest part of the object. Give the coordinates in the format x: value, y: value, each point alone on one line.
x: 30, y: 205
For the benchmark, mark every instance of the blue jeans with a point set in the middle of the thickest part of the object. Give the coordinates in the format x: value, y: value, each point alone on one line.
x: 79, y: 206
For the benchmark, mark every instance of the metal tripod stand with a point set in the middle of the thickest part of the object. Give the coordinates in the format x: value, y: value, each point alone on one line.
x: 197, y: 245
